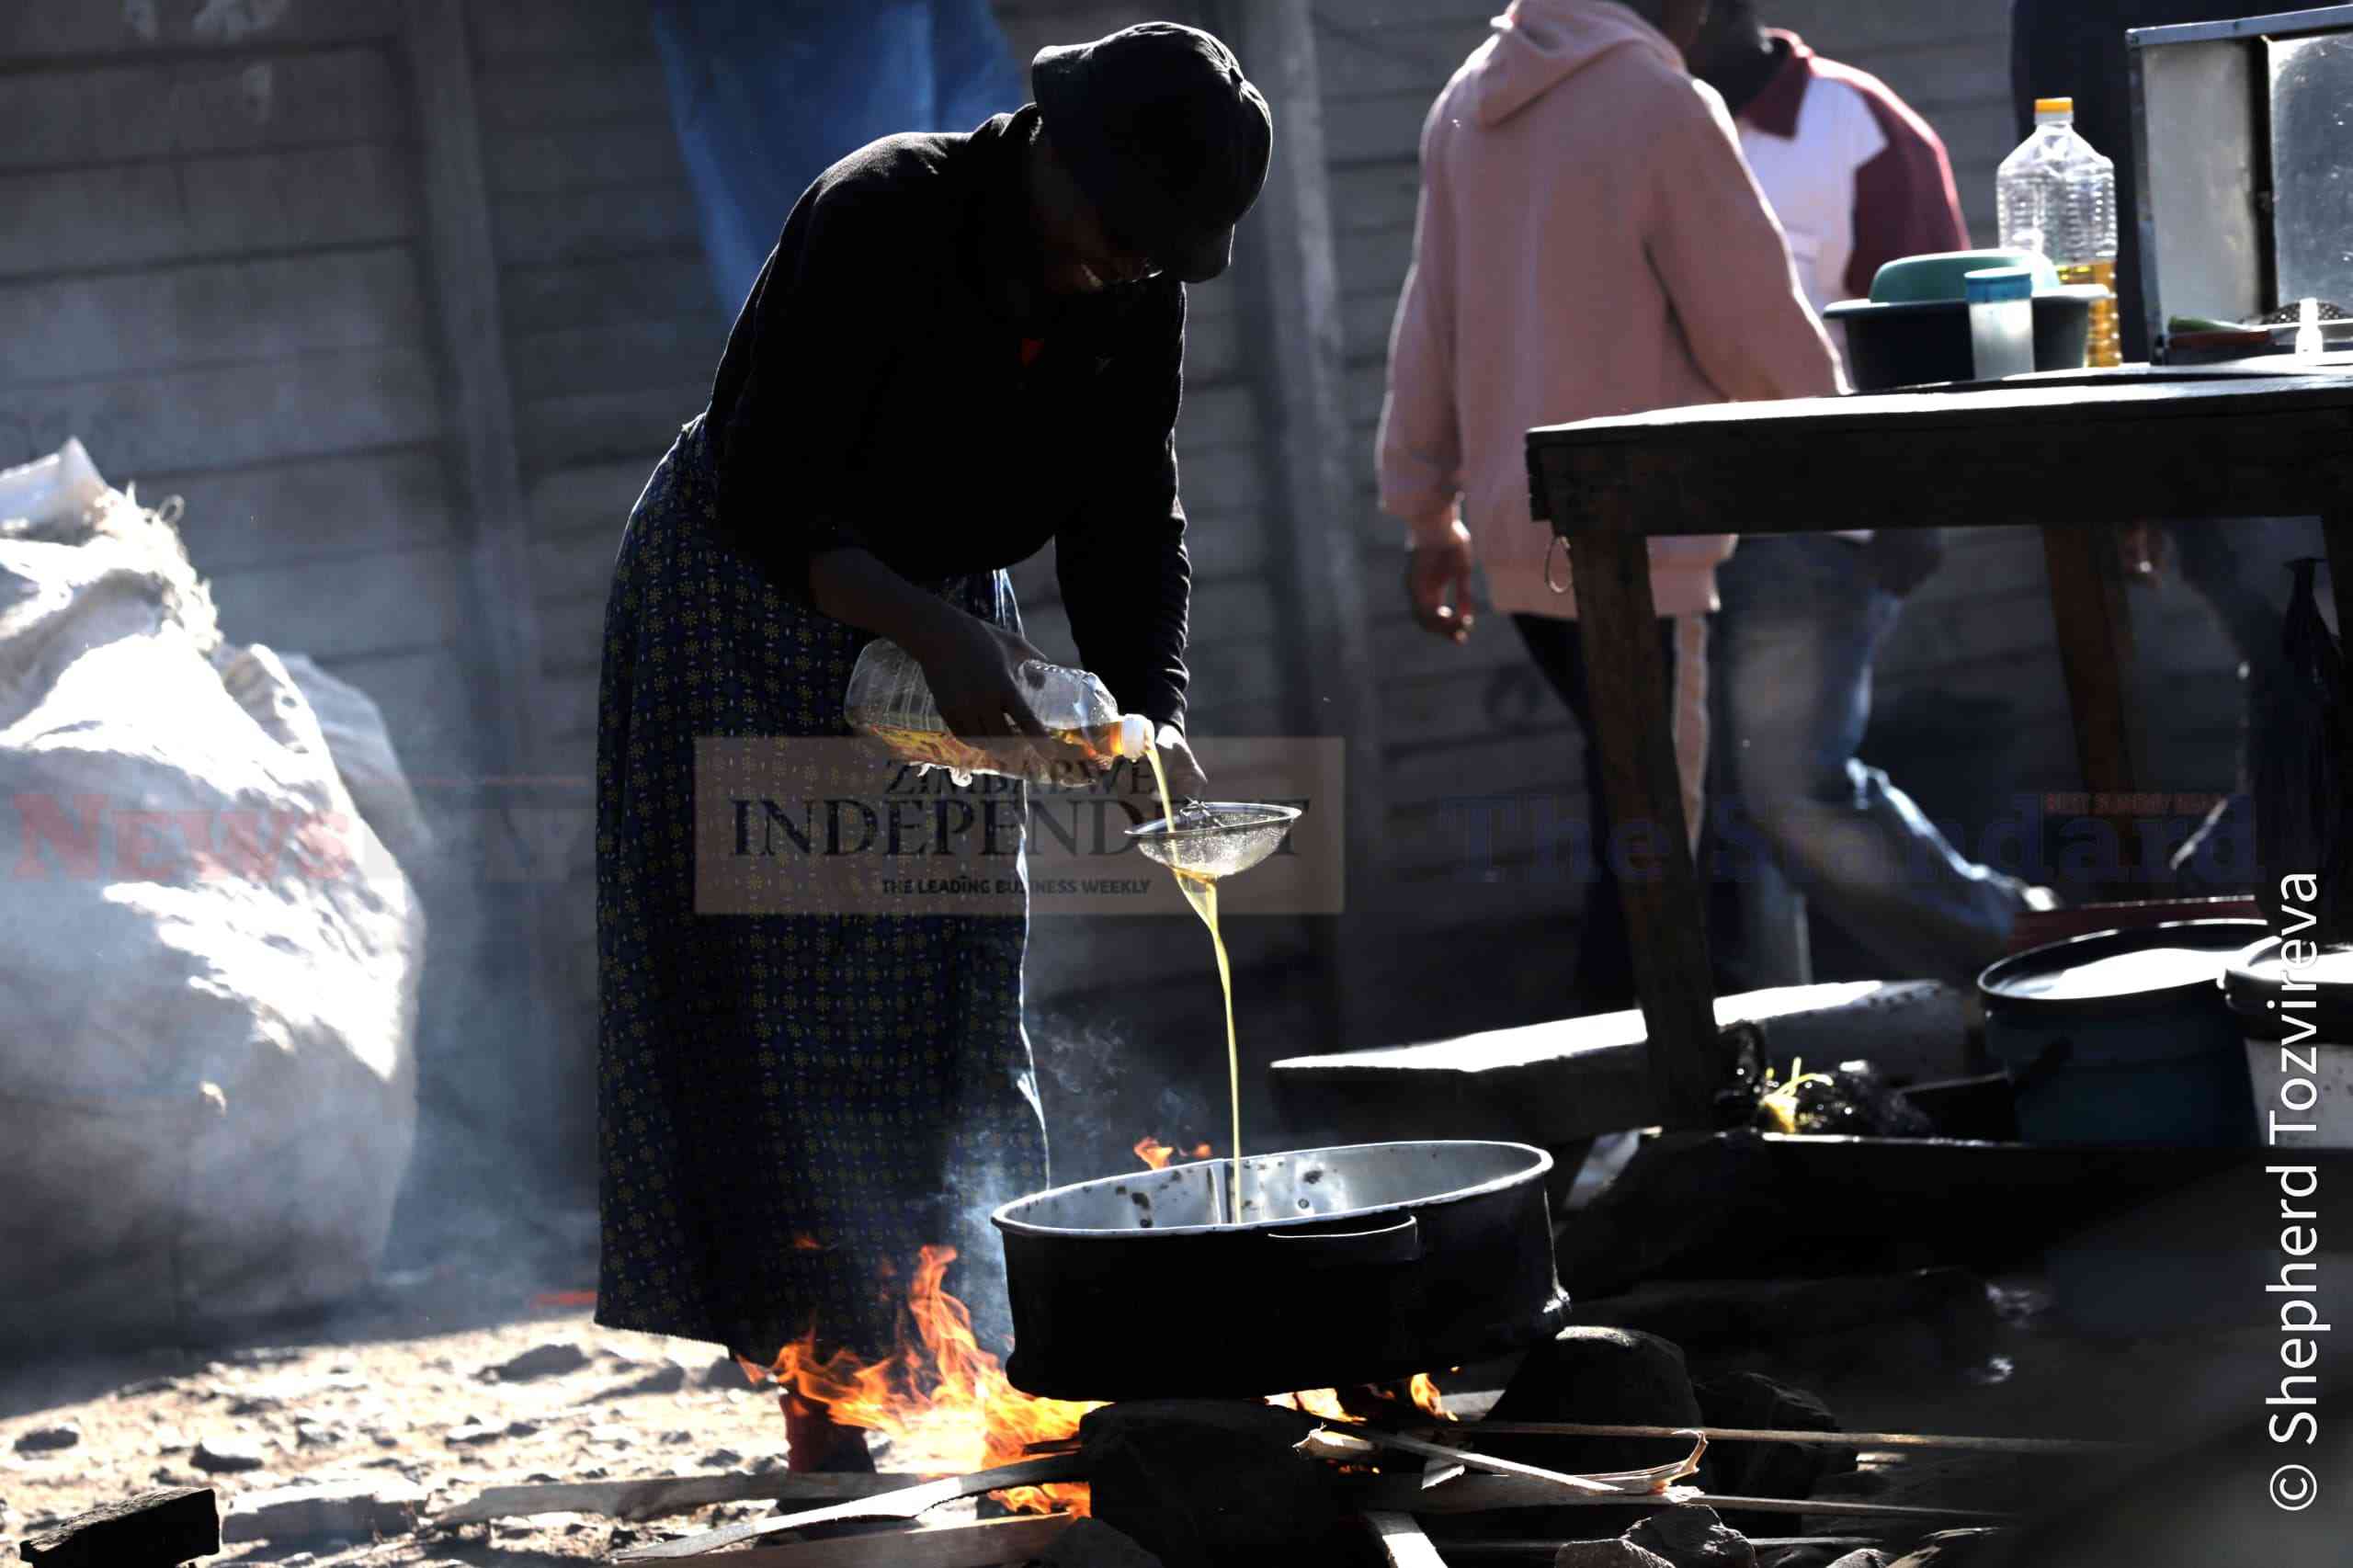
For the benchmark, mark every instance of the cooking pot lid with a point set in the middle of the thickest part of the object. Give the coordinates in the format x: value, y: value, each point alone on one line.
x: 2112, y: 971
x: 2256, y: 981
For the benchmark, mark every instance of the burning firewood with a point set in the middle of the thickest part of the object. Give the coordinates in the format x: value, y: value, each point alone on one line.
x: 985, y: 1544
x: 904, y: 1504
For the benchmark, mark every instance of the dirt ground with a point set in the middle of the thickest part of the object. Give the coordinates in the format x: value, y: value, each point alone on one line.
x: 400, y: 1385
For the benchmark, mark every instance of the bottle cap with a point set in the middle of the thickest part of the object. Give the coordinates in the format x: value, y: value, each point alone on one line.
x: 2055, y: 108
x: 1135, y: 734
x: 1993, y: 284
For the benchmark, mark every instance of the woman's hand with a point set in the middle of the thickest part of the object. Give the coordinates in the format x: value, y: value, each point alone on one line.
x: 973, y: 669
x: 1437, y: 581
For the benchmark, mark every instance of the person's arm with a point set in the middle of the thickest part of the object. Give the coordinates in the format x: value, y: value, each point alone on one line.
x: 1420, y: 441
x: 1724, y: 264
x: 1126, y: 581
x: 1905, y: 201
x: 794, y: 405
x: 791, y: 419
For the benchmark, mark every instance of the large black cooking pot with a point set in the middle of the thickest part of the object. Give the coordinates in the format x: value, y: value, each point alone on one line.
x: 1353, y: 1264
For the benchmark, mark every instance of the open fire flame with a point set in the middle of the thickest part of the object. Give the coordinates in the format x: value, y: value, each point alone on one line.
x: 944, y: 1400
x: 942, y: 1397
x: 1157, y: 1154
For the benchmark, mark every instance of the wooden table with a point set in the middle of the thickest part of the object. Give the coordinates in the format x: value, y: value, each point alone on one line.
x: 2077, y: 453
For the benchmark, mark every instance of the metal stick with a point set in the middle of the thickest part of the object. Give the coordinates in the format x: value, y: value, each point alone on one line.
x: 1757, y: 1435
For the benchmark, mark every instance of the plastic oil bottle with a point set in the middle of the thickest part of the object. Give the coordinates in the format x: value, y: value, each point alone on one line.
x: 889, y: 699
x: 2057, y: 194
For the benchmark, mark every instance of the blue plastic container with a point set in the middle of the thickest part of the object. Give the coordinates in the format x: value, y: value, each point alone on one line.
x: 2125, y: 1036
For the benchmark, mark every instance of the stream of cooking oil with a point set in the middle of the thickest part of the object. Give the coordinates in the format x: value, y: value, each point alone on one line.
x: 1201, y: 893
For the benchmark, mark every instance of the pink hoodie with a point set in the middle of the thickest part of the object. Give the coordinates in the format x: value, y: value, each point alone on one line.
x: 1589, y: 243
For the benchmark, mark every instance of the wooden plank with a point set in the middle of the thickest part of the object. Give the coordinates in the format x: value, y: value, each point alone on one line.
x: 38, y: 30
x: 1375, y: 261
x: 908, y: 1502
x: 1225, y: 416
x: 397, y: 600
x: 588, y: 360
x: 1221, y: 480
x: 1846, y: 32
x: 152, y: 1529
x: 1476, y: 770
x: 1378, y: 126
x: 1373, y: 198
x: 1402, y: 1544
x: 529, y: 30
x: 433, y: 734
x: 1212, y: 348
x: 592, y: 496
x: 484, y: 456
x: 655, y: 1497
x: 628, y: 152
x: 575, y: 566
x: 215, y: 312
x: 1361, y: 61
x: 1504, y: 699
x: 2248, y: 447
x: 229, y: 417
x: 572, y: 638
x: 52, y: 118
x: 605, y: 428
x: 539, y: 95
x: 74, y: 220
x: 980, y: 1544
x: 571, y: 712
x: 1665, y: 917
x: 1936, y: 78
x: 322, y: 509
x: 587, y: 225
x: 549, y: 297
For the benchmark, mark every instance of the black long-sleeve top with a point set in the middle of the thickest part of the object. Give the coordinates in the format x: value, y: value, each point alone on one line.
x: 896, y: 383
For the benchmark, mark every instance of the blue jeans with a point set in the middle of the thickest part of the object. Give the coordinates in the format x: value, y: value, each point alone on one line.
x: 1804, y: 618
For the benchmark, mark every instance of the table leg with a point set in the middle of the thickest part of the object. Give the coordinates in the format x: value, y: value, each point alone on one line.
x: 1665, y: 917
x: 2094, y: 627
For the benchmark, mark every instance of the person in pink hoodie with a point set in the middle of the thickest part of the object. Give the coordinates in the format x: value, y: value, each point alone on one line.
x: 1590, y: 241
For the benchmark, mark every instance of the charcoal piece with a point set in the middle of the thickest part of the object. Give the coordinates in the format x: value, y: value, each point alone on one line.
x: 1210, y: 1484
x: 1692, y: 1537
x: 551, y: 1360
x: 1950, y: 1549
x: 1618, y: 1553
x: 1601, y: 1376
x: 1766, y: 1470
x: 1091, y: 1543
x: 160, y: 1529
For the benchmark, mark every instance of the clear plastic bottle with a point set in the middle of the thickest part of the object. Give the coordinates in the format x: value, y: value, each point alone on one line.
x: 2057, y: 194
x: 890, y: 700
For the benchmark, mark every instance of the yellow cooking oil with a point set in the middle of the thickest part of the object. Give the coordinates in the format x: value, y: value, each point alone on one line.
x: 2107, y: 345
x: 1201, y: 893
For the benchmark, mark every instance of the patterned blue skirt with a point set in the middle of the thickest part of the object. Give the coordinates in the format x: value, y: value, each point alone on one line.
x: 790, y: 1106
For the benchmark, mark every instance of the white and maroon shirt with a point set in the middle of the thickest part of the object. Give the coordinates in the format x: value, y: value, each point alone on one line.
x: 1855, y: 177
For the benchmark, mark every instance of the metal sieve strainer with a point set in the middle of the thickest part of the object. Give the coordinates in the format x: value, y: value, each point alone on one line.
x: 1215, y: 839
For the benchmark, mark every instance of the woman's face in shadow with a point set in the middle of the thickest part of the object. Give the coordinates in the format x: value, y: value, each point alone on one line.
x: 1078, y: 255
